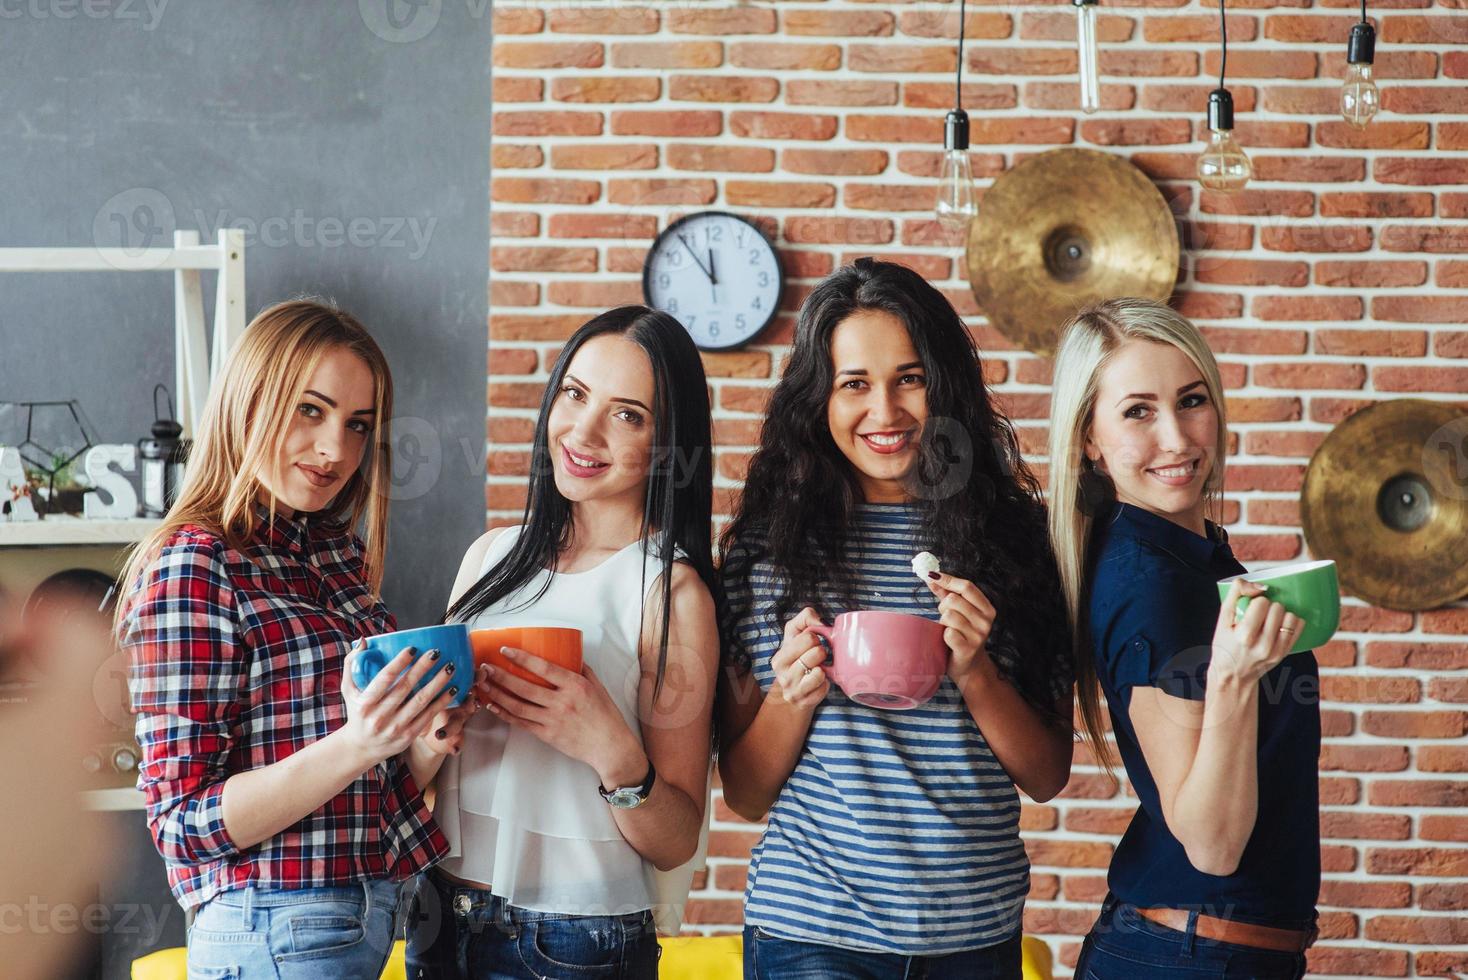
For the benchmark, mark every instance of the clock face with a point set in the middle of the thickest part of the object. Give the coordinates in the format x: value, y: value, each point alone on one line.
x: 718, y: 274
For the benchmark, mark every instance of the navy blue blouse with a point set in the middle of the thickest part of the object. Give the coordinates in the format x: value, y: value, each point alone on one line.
x: 1152, y: 609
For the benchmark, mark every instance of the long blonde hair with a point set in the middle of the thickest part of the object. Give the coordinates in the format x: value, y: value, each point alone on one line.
x: 1090, y: 339
x: 245, y: 420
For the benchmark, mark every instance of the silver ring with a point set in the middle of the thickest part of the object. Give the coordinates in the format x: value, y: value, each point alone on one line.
x: 1286, y: 629
x: 807, y: 671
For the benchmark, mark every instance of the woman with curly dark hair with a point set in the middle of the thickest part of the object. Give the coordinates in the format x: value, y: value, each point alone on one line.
x: 893, y: 837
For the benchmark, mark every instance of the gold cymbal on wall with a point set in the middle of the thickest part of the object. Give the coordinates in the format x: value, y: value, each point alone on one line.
x: 1064, y: 229
x: 1386, y: 496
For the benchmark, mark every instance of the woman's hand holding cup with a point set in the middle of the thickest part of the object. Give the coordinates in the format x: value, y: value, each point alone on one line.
x: 1248, y: 646
x: 800, y: 680
x: 386, y: 716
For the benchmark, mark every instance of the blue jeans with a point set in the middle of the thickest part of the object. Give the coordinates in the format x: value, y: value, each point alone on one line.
x: 472, y: 934
x: 1124, y: 946
x: 290, y: 933
x: 768, y: 957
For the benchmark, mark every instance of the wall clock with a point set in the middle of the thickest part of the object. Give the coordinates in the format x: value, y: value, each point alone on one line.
x: 718, y: 275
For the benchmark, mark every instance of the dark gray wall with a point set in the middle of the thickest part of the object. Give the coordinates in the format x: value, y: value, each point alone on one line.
x: 299, y: 123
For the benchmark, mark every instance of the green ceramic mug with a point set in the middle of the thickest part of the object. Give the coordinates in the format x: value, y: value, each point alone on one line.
x: 1309, y: 589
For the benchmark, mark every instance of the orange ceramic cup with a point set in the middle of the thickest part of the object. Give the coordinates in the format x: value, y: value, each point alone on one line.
x: 561, y: 645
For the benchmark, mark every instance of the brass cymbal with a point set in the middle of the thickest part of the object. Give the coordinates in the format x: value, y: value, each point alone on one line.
x: 1064, y: 229
x: 1386, y: 496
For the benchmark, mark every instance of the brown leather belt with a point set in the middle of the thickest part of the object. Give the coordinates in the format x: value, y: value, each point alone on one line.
x: 1231, y: 931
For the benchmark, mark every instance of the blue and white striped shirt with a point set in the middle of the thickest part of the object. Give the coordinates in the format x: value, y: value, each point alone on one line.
x: 898, y: 831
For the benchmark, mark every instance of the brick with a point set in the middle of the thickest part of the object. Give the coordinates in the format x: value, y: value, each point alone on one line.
x: 1452, y: 136
x: 1415, y: 724
x: 1318, y: 238
x: 1021, y: 61
x: 722, y: 88
x: 736, y: 364
x: 1372, y: 274
x: 1259, y: 203
x: 1336, y: 724
x: 909, y: 128
x: 502, y: 497
x: 888, y: 197
x: 784, y: 194
x: 1366, y: 894
x: 544, y: 190
x: 988, y: 131
x: 1375, y: 204
x: 1043, y: 887
x: 839, y: 230
x: 534, y: 327
x: 542, y: 123
x: 982, y: 25
x: 1148, y: 64
x: 661, y: 191
x: 774, y: 56
x: 1308, y: 28
x: 1265, y: 133
x: 625, y: 259
x: 513, y: 224
x: 1179, y: 97
x: 505, y: 293
x: 1265, y: 547
x: 1422, y: 309
x: 1035, y: 817
x: 723, y: 22
x: 1216, y: 236
x: 682, y: 122
x: 518, y: 89
x: 1408, y: 100
x: 1254, y: 272
x: 1045, y: 921
x: 1340, y: 654
x: 904, y: 58
x: 508, y: 431
x: 600, y: 294
x: 591, y: 225
x: 1443, y: 898
x: 1356, y: 961
x: 1260, y: 476
x: 518, y: 20
x: 667, y: 54
x: 548, y: 54
x: 1370, y: 619
x: 1336, y: 791
x: 1068, y: 853
x: 1452, y: 274
x: 1313, y: 169
x: 1198, y: 29
x: 1390, y: 65
x: 976, y: 95
x: 1306, y: 376
x: 1263, y: 409
x: 1450, y: 689
x: 931, y: 267
x: 1209, y: 305
x: 1295, y: 443
x: 1370, y: 690
x: 715, y: 911
x: 1420, y: 930
x: 1352, y: 825
x: 502, y: 463
x: 1137, y: 132
x: 1321, y: 308
x: 834, y: 162
x: 840, y: 23
x: 1433, y: 170
x: 605, y: 156
x: 1364, y: 758
x: 617, y: 19
x: 1284, y: 513
x: 781, y: 125
x: 1310, y: 100
x: 1416, y: 29
x: 1263, y: 64
x: 1454, y: 619
x: 596, y: 88
x: 1378, y: 136
x: 520, y: 258
x: 860, y: 92
x: 1414, y: 238
x: 515, y: 156
x: 1067, y: 96
x: 743, y: 159
x: 1037, y: 25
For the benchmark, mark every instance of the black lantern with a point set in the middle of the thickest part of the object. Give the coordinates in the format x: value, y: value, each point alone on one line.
x: 162, y: 459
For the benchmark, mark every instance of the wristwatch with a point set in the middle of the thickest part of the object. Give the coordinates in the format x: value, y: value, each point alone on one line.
x: 630, y: 797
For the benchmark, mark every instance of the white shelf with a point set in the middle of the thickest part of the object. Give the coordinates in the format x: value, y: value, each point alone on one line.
x: 121, y: 798
x: 52, y: 531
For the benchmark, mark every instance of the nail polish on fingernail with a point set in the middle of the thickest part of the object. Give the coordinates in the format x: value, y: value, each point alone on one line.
x: 453, y: 690
x: 432, y: 654
x: 934, y: 576
x: 448, y: 669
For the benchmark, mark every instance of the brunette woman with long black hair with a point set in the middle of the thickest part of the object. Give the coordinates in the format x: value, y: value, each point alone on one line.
x: 576, y: 813
x: 893, y: 838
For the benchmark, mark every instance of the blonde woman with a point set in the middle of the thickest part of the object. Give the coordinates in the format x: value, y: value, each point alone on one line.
x: 284, y: 801
x: 1219, y: 871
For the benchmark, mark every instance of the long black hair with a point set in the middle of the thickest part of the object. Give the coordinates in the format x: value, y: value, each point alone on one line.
x: 980, y: 505
x: 677, y: 511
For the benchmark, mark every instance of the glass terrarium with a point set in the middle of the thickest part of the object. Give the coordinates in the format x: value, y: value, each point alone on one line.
x: 52, y: 437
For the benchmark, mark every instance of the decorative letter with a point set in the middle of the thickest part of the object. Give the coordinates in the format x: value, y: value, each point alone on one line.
x: 14, y: 490
x: 98, y: 467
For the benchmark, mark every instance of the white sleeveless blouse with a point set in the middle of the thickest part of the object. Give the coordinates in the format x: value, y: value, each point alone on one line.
x: 526, y: 819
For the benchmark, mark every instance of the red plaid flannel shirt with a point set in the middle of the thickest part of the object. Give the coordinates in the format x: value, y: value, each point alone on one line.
x: 236, y: 663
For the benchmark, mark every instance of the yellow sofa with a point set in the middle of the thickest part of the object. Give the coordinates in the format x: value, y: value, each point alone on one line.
x: 684, y: 958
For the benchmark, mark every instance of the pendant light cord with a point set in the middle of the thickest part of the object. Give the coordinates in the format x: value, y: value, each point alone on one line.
x: 1223, y: 34
x: 958, y: 76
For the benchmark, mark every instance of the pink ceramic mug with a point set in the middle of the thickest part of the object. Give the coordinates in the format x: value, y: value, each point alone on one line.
x: 886, y: 660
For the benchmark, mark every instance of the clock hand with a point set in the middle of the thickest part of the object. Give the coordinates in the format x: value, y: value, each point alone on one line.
x: 713, y: 273
x: 691, y: 252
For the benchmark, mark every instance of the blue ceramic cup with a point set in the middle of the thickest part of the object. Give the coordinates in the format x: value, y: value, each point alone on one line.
x: 451, y: 642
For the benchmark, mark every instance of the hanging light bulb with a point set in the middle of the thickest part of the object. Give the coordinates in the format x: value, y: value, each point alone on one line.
x: 956, y: 205
x: 1089, y: 67
x: 1223, y: 165
x: 1360, y: 98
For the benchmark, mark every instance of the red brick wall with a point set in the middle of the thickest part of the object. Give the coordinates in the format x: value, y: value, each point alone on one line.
x: 1338, y: 278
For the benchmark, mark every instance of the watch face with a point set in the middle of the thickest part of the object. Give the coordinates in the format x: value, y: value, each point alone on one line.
x: 718, y: 274
x: 624, y: 799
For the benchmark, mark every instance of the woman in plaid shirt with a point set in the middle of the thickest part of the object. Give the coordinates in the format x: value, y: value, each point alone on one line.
x: 285, y: 803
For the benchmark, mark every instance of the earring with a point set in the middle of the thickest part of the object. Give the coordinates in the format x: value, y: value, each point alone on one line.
x: 1096, y: 491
